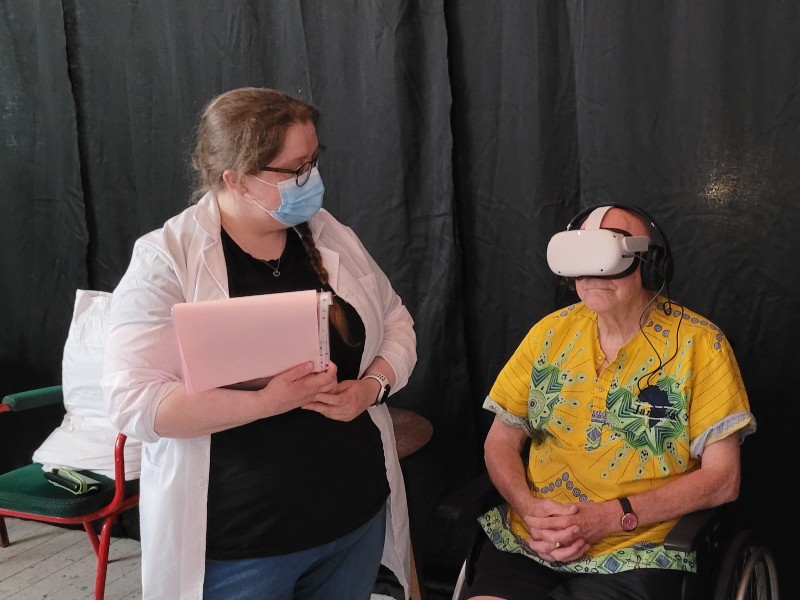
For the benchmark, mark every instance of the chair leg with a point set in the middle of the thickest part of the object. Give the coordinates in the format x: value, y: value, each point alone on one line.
x: 3, y: 533
x: 102, y: 556
x: 88, y: 527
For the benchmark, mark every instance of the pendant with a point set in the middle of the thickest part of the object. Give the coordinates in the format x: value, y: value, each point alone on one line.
x: 276, y: 273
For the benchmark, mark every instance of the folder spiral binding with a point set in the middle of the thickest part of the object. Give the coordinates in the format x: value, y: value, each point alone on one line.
x: 249, y: 338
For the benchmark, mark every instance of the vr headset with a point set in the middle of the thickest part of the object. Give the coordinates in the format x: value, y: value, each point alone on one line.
x: 594, y: 252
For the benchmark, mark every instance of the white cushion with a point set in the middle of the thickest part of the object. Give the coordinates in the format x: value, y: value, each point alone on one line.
x: 85, y: 439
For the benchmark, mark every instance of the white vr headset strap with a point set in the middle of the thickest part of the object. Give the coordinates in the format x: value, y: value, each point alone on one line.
x: 596, y: 217
x: 629, y: 244
x: 635, y: 243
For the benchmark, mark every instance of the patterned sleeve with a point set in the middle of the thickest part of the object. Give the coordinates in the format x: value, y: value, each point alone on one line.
x: 719, y: 404
x: 508, y: 398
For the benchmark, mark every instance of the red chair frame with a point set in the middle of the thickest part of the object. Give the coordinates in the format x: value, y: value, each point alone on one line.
x: 107, y: 514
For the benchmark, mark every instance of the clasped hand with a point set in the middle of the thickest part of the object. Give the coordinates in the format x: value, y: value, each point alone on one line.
x: 345, y: 401
x: 298, y: 387
x: 560, y: 532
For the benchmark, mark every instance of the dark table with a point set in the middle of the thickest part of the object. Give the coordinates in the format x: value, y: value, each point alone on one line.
x: 411, y: 431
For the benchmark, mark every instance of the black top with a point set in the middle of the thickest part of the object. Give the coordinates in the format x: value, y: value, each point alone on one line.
x: 296, y: 480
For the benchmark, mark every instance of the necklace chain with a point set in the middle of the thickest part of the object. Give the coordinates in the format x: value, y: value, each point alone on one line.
x: 276, y: 270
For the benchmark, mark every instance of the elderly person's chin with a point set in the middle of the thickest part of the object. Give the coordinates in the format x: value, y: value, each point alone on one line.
x: 602, y: 294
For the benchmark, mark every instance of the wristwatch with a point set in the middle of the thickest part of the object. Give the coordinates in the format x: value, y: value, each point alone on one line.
x: 385, y: 387
x: 629, y: 520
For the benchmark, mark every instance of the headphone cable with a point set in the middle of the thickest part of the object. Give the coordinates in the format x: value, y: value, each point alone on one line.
x: 668, y: 310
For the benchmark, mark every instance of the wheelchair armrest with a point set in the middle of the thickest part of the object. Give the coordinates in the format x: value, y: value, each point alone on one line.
x: 32, y: 399
x: 691, y: 529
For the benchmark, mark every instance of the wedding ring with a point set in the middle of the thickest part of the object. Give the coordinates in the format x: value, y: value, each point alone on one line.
x: 557, y: 546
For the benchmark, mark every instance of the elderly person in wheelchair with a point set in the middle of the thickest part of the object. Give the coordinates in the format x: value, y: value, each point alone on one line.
x: 613, y: 418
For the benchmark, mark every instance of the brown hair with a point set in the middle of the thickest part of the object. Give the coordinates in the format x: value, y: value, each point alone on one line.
x: 242, y: 130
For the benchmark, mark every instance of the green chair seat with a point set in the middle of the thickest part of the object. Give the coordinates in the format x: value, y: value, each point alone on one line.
x: 26, y: 490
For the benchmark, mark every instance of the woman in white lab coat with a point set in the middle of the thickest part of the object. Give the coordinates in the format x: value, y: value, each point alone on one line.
x: 293, y: 489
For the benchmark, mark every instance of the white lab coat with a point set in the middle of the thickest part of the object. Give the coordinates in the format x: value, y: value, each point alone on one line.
x: 183, y: 262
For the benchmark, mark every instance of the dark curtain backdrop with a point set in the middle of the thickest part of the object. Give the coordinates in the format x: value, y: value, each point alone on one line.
x: 461, y: 135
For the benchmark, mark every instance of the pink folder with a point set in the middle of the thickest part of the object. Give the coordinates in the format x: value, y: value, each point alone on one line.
x: 225, y: 342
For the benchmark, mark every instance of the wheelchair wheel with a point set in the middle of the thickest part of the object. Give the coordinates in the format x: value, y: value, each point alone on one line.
x: 746, y: 571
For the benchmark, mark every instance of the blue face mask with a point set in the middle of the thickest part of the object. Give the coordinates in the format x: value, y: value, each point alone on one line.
x: 298, y: 203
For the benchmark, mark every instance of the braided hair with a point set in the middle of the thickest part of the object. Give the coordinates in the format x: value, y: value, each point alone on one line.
x: 337, y: 315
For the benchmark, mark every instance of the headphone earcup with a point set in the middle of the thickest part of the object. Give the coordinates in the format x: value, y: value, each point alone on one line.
x: 654, y: 269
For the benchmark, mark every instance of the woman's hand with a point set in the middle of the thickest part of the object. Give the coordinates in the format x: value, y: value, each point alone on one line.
x: 347, y: 401
x: 297, y: 387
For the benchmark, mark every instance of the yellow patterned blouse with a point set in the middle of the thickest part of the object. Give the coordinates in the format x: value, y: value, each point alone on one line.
x: 672, y: 390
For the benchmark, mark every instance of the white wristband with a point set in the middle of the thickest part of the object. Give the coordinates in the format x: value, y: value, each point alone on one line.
x: 385, y: 387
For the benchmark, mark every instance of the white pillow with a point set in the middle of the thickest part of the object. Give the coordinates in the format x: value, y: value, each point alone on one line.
x: 85, y: 439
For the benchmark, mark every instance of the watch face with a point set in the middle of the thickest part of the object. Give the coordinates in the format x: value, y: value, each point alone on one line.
x: 629, y: 521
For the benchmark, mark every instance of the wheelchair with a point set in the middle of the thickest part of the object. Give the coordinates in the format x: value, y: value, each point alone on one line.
x: 733, y: 563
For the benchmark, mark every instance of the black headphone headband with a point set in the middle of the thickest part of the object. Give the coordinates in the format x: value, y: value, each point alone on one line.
x: 657, y: 265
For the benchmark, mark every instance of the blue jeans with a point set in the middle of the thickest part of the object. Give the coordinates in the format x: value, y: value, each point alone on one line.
x: 344, y: 569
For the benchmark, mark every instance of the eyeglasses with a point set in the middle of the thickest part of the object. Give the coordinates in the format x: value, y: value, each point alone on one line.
x: 303, y: 172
